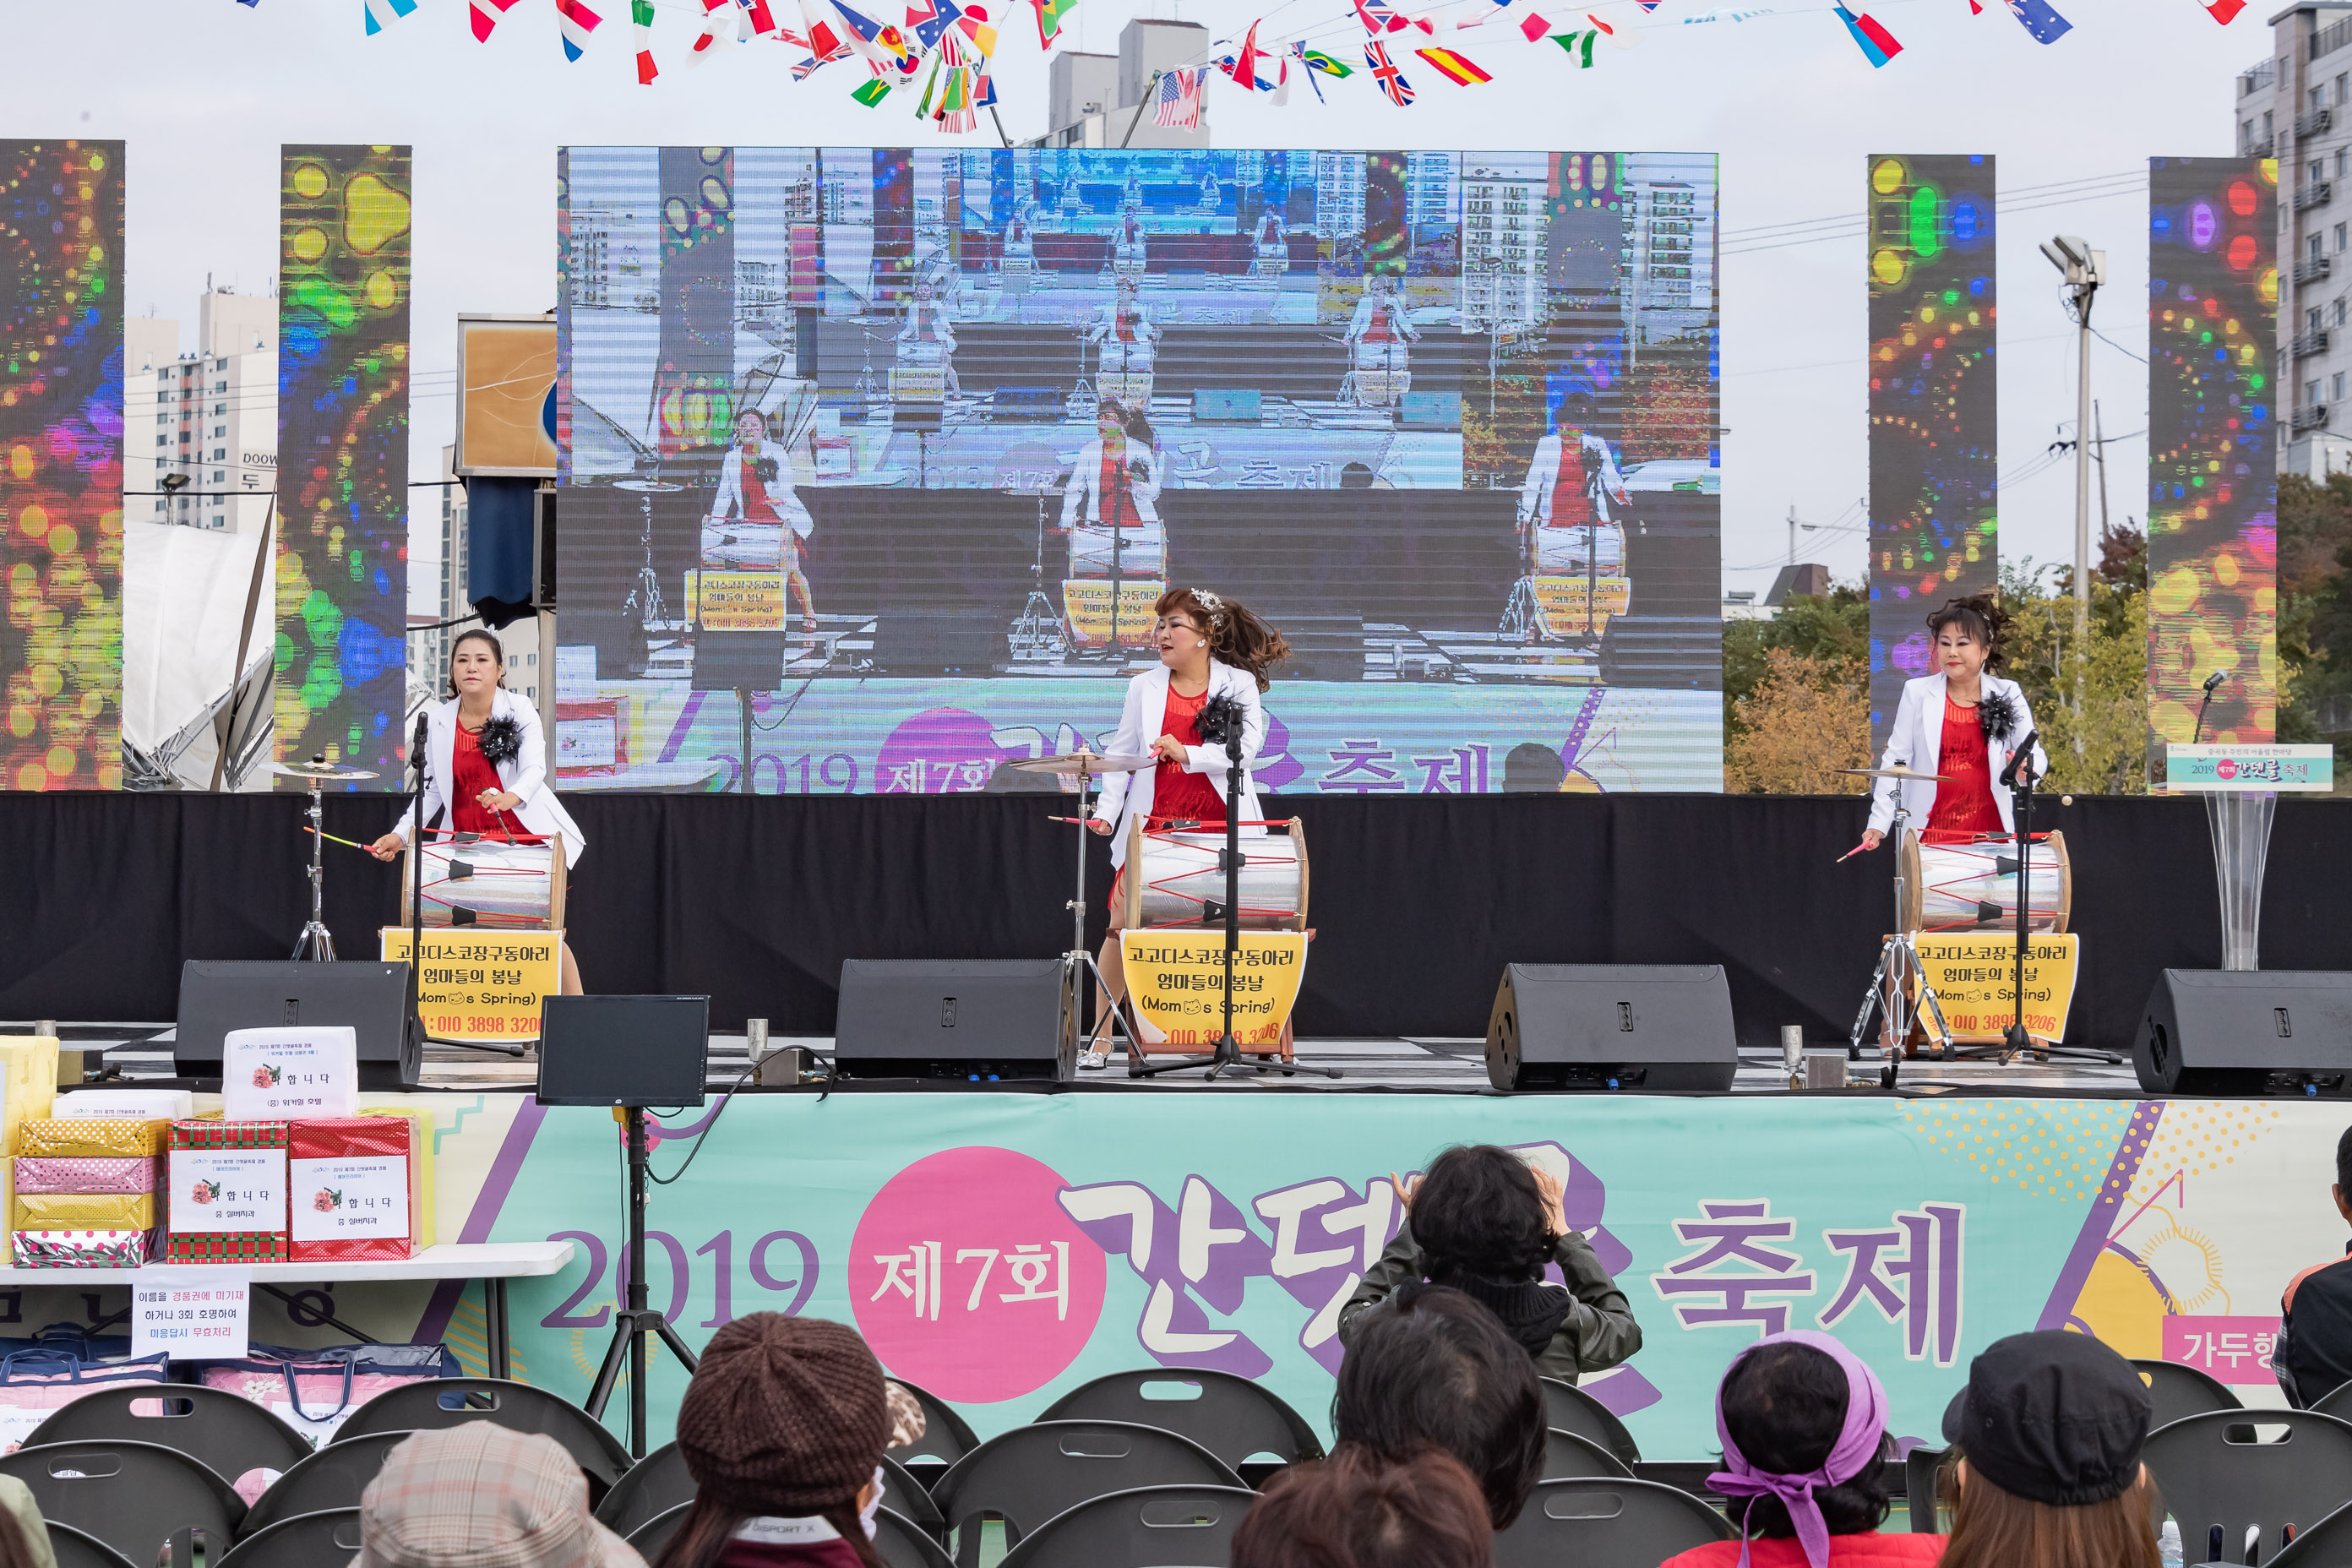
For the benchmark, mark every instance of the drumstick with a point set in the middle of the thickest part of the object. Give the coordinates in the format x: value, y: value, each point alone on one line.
x: 1849, y: 855
x: 332, y: 839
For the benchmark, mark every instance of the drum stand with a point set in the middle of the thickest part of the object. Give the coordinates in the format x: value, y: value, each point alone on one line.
x: 1077, y: 963
x: 316, y: 941
x: 1898, y: 967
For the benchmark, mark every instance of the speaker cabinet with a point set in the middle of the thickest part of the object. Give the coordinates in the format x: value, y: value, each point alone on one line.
x: 970, y: 1020
x: 1611, y: 1027
x: 2250, y: 1032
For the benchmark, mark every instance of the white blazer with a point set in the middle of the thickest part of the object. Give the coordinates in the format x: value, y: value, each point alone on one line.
x: 729, y: 500
x: 1126, y: 795
x: 1917, y: 742
x: 1603, y: 482
x: 524, y: 775
x: 1082, y: 499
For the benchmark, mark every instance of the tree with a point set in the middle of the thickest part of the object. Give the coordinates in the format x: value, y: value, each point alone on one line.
x: 2099, y: 747
x: 2314, y: 612
x: 1833, y: 633
x: 1804, y: 719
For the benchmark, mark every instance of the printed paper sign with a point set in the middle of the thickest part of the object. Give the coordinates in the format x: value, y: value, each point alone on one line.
x: 335, y: 1199
x: 277, y: 1075
x: 1178, y: 981
x: 735, y: 601
x: 201, y: 1314
x: 1975, y: 977
x: 480, y: 985
x: 227, y: 1191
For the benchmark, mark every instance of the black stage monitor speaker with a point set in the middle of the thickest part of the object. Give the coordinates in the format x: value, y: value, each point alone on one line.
x: 1611, y: 1026
x: 940, y: 642
x: 217, y: 994
x: 2257, y: 1031
x: 646, y: 1051
x: 969, y: 1019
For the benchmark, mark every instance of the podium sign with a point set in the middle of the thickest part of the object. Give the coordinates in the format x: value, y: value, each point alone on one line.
x: 481, y: 985
x: 2252, y: 767
x: 1177, y: 980
x: 1974, y: 978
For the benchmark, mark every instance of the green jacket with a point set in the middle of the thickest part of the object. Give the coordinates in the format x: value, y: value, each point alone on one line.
x: 1598, y: 1332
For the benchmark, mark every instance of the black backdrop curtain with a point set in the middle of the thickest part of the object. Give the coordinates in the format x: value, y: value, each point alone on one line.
x: 1417, y: 904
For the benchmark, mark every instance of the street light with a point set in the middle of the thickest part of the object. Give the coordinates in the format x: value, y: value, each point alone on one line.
x: 2084, y: 270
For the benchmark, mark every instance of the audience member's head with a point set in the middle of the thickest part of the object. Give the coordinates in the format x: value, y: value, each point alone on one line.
x: 1477, y: 1214
x: 782, y: 1429
x: 2049, y: 1432
x: 1432, y: 1369
x: 483, y: 1496
x: 1360, y: 1509
x: 1803, y: 1425
x: 2343, y: 1188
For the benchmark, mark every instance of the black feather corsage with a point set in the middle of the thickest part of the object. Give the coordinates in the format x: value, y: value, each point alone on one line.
x: 767, y: 470
x: 1996, y: 716
x: 1221, y: 720
x: 501, y: 741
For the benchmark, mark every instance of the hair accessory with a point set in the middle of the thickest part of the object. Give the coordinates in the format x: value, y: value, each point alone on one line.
x: 1857, y: 1444
x: 1996, y: 716
x: 1209, y: 601
x: 501, y: 741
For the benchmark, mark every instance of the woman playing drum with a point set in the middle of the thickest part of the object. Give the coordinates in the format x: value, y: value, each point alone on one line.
x: 485, y: 742
x: 1209, y: 647
x: 1962, y: 722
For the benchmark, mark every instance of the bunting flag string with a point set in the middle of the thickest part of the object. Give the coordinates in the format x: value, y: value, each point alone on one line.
x: 2222, y: 11
x: 1578, y: 46
x: 483, y: 14
x: 381, y: 14
x: 2044, y: 25
x: 576, y: 22
x: 1386, y: 75
x: 1454, y: 66
x: 1874, y: 41
x: 641, y: 25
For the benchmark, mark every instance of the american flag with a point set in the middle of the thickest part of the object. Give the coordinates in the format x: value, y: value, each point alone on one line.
x: 1385, y: 75
x: 1180, y: 99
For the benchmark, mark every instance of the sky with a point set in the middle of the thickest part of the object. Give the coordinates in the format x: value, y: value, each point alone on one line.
x: 205, y: 93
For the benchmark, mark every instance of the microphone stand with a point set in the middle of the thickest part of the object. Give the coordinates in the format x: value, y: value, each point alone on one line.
x: 2021, y: 780
x: 412, y: 1054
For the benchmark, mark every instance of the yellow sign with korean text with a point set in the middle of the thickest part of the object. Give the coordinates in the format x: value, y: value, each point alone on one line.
x: 481, y: 985
x: 735, y: 601
x: 1975, y: 977
x: 1178, y: 981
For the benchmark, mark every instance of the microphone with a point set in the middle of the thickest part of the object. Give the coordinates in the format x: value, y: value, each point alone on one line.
x: 2213, y: 681
x: 2025, y: 749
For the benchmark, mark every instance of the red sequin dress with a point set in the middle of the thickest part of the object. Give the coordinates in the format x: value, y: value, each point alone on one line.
x: 1177, y: 795
x: 470, y: 774
x: 1964, y: 807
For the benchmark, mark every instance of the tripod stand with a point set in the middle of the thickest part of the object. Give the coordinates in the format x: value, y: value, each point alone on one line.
x: 635, y: 1321
x: 1037, y: 635
x: 1898, y: 969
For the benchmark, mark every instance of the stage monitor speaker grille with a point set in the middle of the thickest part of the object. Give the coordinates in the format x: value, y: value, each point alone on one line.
x: 371, y: 997
x: 970, y: 1020
x: 2250, y: 1032
x: 1661, y: 1026
x: 940, y: 642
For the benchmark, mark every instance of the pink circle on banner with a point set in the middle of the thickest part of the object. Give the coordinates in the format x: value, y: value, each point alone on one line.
x: 2225, y: 768
x: 967, y: 1277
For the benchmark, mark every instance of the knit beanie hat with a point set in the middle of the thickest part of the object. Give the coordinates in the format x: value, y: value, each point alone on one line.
x: 785, y: 1416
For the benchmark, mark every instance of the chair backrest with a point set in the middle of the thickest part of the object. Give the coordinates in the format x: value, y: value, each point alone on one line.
x: 1923, y: 1473
x: 335, y: 1477
x: 332, y: 1535
x: 947, y: 1436
x: 1569, y: 1457
x: 2237, y: 1469
x: 132, y: 1496
x: 1231, y: 1416
x: 904, y: 1495
x: 441, y: 1402
x: 2336, y: 1402
x: 653, y: 1485
x: 1150, y: 1527
x: 2181, y: 1390
x: 2323, y: 1545
x: 228, y: 1433
x: 1030, y: 1474
x: 75, y: 1549
x: 650, y: 1537
x: 1571, y: 1409
x: 904, y: 1544
x: 1607, y: 1524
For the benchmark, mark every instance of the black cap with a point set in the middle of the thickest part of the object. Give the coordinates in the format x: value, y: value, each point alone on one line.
x: 2053, y: 1417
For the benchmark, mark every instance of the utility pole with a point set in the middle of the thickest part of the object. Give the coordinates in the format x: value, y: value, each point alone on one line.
x: 2098, y: 424
x: 1793, y: 526
x: 2085, y: 270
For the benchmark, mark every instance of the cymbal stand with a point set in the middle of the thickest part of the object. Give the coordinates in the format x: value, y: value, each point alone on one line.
x: 645, y: 598
x: 316, y: 941
x: 1077, y: 963
x: 1899, y: 968
x: 1037, y: 635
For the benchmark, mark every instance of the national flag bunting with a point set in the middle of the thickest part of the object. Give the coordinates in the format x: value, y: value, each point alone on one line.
x: 1874, y: 41
x: 1620, y: 38
x: 875, y: 90
x: 1317, y: 60
x: 1385, y: 74
x: 719, y: 29
x: 641, y: 21
x: 1179, y: 104
x: 974, y: 25
x: 1534, y: 27
x: 1377, y: 16
x: 1578, y: 46
x: 577, y: 22
x: 2221, y: 11
x: 927, y: 20
x: 808, y: 67
x: 1049, y: 19
x: 2037, y: 18
x: 763, y: 20
x: 1244, y: 67
x: 381, y: 14
x: 1455, y: 67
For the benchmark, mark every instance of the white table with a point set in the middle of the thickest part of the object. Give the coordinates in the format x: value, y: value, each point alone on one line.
x: 491, y: 1262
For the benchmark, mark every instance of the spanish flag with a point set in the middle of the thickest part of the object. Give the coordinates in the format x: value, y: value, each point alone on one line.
x: 1456, y: 67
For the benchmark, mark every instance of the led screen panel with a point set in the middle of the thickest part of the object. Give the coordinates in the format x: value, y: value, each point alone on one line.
x: 897, y: 449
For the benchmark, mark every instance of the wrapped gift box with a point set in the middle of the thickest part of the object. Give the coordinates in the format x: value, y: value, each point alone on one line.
x: 134, y: 1104
x: 85, y: 1136
x: 427, y: 1217
x: 227, y: 1188
x: 28, y: 1083
x: 80, y: 1249
x: 355, y: 1187
x: 88, y: 1173
x: 86, y: 1211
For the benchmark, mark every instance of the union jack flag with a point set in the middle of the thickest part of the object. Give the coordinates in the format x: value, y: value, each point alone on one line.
x: 1385, y: 75
x: 1377, y: 16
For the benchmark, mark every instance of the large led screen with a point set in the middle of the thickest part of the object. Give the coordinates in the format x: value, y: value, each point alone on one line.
x: 1934, y: 445
x: 2212, y: 534
x: 61, y: 464
x: 881, y: 458
x: 342, y: 455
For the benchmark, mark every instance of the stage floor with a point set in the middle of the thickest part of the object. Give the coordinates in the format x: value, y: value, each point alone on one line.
x: 1419, y: 1066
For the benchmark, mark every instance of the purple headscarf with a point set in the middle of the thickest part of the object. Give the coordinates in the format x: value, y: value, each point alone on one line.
x: 1857, y: 1444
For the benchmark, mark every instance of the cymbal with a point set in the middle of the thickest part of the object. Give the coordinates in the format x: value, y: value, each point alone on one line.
x: 1897, y: 772
x: 646, y: 486
x: 327, y: 771
x: 1086, y: 762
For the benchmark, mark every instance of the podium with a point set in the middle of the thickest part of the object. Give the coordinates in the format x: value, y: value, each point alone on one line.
x: 2242, y: 785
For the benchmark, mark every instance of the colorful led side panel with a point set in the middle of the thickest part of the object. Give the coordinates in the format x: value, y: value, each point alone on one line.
x: 1933, y: 408
x: 2212, y: 535
x: 61, y: 464
x: 342, y: 444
